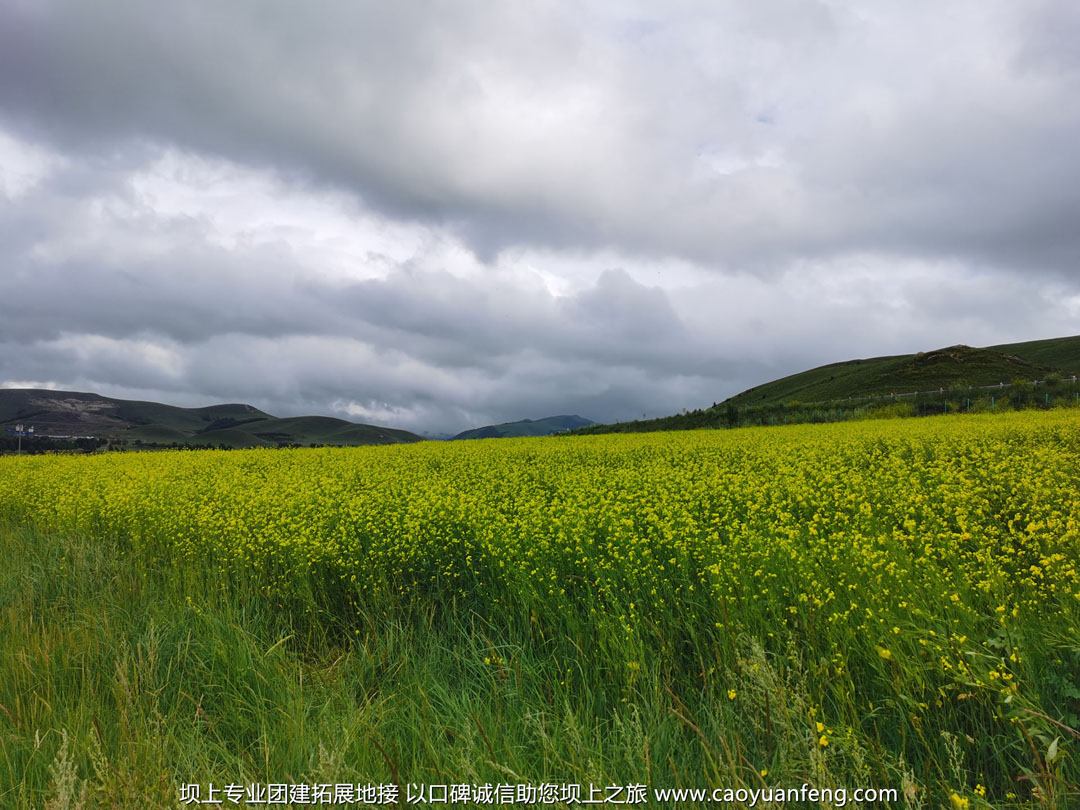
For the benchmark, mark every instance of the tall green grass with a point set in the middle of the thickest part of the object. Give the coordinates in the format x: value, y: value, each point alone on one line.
x: 122, y: 678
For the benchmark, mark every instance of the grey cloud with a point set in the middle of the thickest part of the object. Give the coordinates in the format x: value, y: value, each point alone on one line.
x: 586, y: 126
x: 457, y: 322
x: 147, y: 305
x: 74, y: 270
x: 1049, y: 38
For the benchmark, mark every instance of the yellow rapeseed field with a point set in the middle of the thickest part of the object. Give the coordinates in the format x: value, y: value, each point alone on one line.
x: 869, y: 527
x: 838, y: 524
x: 910, y: 568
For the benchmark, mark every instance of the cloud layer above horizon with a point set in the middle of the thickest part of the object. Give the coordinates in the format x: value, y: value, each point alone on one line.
x: 436, y: 216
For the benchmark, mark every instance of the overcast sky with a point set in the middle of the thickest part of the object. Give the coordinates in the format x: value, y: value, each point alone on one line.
x: 441, y: 215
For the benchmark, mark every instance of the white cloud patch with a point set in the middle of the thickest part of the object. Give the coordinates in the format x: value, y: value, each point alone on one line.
x: 24, y: 165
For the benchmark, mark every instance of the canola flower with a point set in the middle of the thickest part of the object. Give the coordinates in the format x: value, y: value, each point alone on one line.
x: 907, y: 556
x: 851, y: 525
x: 806, y: 518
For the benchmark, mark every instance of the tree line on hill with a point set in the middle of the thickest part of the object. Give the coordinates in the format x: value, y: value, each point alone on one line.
x: 1020, y: 394
x: 40, y: 445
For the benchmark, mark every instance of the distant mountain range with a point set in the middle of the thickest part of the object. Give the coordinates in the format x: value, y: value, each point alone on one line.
x: 75, y: 414
x: 526, y: 427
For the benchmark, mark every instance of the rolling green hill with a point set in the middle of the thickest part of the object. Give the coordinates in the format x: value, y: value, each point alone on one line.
x: 526, y: 427
x: 231, y: 437
x: 72, y: 413
x: 952, y: 367
x: 837, y: 385
x: 318, y: 430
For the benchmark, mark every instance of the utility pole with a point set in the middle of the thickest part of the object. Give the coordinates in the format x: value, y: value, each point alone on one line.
x: 20, y: 431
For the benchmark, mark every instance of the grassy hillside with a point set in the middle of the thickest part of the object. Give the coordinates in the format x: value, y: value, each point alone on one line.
x: 133, y: 422
x: 230, y: 437
x: 318, y: 430
x: 952, y: 367
x: 1061, y: 353
x: 156, y: 434
x: 952, y: 379
x: 526, y: 427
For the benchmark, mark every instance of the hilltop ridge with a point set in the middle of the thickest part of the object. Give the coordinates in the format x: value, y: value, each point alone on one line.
x: 527, y: 427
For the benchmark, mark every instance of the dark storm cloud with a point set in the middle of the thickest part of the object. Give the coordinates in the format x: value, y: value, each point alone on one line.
x: 166, y: 278
x: 731, y: 133
x: 364, y: 94
x: 455, y: 322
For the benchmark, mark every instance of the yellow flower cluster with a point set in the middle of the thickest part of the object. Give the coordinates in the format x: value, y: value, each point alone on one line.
x: 863, y: 534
